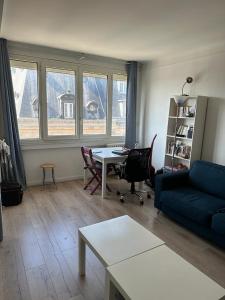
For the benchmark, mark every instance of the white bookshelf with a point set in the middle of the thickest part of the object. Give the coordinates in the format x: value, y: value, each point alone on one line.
x: 184, y: 149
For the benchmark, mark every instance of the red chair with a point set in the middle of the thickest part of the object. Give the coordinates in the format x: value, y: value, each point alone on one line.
x: 95, y: 169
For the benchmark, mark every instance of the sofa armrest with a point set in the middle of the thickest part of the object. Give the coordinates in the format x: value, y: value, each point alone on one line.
x: 169, y: 181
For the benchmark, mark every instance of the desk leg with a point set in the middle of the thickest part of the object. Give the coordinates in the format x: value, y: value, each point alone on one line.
x: 82, y: 251
x: 110, y: 290
x: 104, y: 175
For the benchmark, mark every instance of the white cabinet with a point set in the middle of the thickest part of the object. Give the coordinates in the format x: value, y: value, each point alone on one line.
x: 185, y: 133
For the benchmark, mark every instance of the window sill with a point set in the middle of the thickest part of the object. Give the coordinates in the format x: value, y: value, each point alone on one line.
x: 90, y: 141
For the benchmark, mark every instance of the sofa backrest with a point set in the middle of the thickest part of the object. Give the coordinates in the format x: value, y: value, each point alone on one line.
x: 208, y: 177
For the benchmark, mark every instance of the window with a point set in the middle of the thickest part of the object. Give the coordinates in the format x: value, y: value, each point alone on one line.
x: 61, y: 104
x: 68, y: 110
x: 119, y: 105
x: 122, y: 86
x: 25, y: 85
x: 94, y: 103
x: 62, y: 101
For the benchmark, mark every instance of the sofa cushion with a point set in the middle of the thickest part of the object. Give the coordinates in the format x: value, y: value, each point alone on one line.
x: 208, y: 177
x: 192, y: 204
x: 218, y: 223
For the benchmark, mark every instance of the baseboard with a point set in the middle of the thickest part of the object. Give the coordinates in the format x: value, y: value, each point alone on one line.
x: 59, y: 179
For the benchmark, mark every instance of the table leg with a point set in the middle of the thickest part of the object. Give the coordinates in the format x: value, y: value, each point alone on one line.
x: 43, y: 182
x: 110, y: 290
x: 53, y: 176
x: 104, y: 174
x: 82, y: 251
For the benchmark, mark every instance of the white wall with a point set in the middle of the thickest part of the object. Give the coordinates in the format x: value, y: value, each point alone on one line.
x: 68, y: 163
x: 159, y: 83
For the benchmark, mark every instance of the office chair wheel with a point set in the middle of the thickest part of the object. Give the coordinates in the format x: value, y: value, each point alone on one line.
x: 148, y: 196
x: 121, y: 199
x: 118, y: 193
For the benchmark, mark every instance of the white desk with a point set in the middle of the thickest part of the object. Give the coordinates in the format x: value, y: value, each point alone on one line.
x: 160, y: 274
x: 115, y: 240
x: 105, y: 156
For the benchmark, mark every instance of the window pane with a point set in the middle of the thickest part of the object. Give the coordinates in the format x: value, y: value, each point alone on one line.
x: 94, y: 103
x: 119, y: 105
x: 61, y: 105
x: 24, y: 77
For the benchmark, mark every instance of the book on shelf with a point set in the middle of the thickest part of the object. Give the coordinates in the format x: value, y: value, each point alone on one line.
x: 182, y: 131
x: 190, y: 132
x: 179, y: 149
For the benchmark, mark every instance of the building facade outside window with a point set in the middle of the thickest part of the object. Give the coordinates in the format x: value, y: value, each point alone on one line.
x: 61, y: 93
x: 94, y: 103
x: 119, y: 105
x: 25, y: 84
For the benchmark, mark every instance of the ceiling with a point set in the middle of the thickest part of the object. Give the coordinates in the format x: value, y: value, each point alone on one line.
x: 126, y: 29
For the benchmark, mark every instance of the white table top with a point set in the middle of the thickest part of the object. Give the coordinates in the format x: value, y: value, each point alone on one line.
x: 106, y: 153
x: 161, y: 274
x: 117, y: 239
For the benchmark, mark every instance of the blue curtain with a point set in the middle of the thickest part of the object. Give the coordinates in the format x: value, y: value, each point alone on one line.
x: 130, y: 139
x: 9, y: 117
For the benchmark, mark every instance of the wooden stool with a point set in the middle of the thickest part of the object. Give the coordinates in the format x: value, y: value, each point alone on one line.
x: 45, y: 167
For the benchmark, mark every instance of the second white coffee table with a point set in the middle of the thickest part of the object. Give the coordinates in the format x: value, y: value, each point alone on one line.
x: 160, y: 274
x: 115, y: 240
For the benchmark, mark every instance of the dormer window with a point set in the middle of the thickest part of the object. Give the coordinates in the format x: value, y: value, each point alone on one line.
x: 68, y: 111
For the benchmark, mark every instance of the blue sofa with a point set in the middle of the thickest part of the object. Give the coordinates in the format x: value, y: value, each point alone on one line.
x: 195, y: 199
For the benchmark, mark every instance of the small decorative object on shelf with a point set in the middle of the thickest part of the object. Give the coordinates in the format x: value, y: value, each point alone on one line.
x: 191, y: 112
x: 186, y: 111
x: 185, y: 132
x: 182, y: 150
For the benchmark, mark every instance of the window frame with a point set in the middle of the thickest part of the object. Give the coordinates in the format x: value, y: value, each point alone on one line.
x: 58, y: 65
x: 35, y: 61
x: 120, y: 74
x: 47, y: 141
x: 100, y: 71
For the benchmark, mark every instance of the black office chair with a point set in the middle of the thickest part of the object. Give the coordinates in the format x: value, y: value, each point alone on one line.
x: 136, y: 169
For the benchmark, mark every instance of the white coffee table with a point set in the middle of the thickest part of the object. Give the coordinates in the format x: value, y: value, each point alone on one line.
x: 160, y: 274
x: 115, y: 240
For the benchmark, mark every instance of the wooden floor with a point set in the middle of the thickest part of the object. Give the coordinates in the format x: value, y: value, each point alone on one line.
x: 38, y: 257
